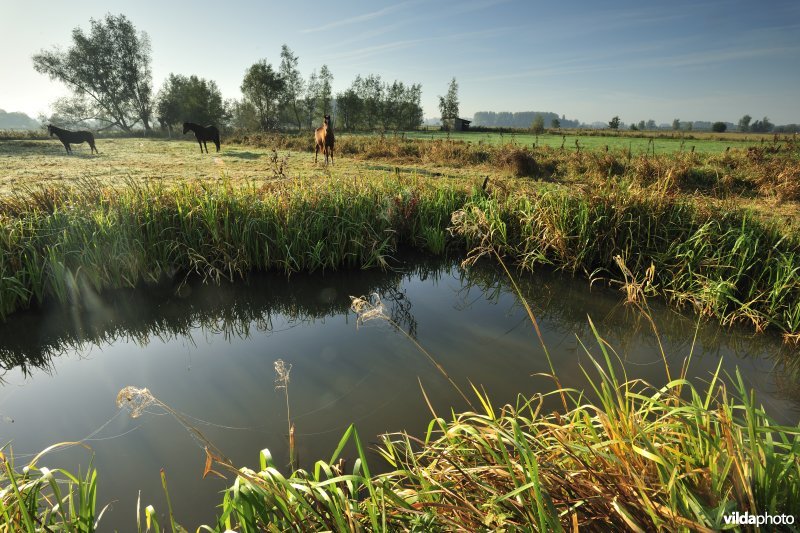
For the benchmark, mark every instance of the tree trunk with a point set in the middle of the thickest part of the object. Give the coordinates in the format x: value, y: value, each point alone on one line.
x: 297, y: 115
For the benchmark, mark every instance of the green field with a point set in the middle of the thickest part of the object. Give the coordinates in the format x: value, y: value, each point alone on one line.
x: 44, y: 162
x: 592, y: 140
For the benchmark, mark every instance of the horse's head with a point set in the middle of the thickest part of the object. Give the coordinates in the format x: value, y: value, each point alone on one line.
x: 185, y: 128
x: 327, y: 120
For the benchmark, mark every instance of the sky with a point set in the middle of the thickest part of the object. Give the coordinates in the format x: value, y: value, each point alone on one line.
x: 587, y: 60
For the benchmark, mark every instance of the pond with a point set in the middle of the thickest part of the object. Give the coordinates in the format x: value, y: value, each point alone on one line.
x: 208, y: 352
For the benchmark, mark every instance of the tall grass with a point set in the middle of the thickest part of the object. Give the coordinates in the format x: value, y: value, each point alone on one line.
x: 66, y: 244
x: 636, y: 457
x: 765, y: 168
x: 40, y: 499
x: 728, y: 263
x: 732, y: 265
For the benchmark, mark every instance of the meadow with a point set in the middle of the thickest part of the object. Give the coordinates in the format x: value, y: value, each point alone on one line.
x: 716, y: 232
x: 580, y: 211
x: 659, y: 142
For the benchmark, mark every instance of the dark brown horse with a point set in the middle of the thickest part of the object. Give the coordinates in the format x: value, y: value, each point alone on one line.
x: 324, y: 140
x: 73, y: 137
x: 202, y: 134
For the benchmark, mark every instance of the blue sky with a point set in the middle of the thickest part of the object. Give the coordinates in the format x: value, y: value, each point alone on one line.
x: 703, y: 60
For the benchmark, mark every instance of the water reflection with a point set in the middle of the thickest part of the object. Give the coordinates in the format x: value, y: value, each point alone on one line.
x: 33, y: 339
x: 209, y: 351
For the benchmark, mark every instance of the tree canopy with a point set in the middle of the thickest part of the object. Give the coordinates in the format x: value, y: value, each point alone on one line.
x: 762, y: 126
x: 294, y: 85
x: 108, y: 70
x: 189, y: 99
x: 719, y: 127
x: 263, y: 88
x: 370, y: 103
x: 448, y: 104
x: 537, y: 125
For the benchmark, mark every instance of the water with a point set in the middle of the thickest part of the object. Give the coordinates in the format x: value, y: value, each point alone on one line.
x: 209, y: 352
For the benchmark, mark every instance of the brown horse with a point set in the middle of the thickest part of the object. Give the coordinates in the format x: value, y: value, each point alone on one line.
x: 324, y: 139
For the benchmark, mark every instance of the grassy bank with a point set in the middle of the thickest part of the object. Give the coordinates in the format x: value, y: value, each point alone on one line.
x: 730, y: 266
x: 65, y: 243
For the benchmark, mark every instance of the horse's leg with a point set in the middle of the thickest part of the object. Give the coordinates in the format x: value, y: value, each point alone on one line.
x: 205, y: 143
x: 67, y: 148
x: 331, y: 154
x: 316, y: 152
x: 201, y: 145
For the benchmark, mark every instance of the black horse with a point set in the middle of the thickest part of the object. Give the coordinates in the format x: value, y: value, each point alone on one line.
x: 203, y: 134
x: 73, y: 137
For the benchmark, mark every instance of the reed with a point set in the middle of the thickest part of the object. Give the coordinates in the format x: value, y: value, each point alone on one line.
x: 636, y: 457
x: 68, y: 244
x: 282, y: 372
x: 725, y: 262
x: 40, y: 499
x: 730, y: 265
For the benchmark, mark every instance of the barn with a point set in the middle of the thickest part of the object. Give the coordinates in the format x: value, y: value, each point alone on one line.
x: 456, y: 124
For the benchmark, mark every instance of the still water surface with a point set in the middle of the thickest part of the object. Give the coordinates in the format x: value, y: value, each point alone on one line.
x: 209, y: 352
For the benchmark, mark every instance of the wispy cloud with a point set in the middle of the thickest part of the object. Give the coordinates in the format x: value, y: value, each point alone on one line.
x: 362, y: 18
x: 476, y: 5
x: 590, y: 65
x: 718, y: 56
x: 377, y: 31
x: 368, y: 51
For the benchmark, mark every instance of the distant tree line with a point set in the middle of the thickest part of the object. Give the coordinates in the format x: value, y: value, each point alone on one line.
x: 108, y: 69
x: 371, y: 104
x: 759, y: 126
x: 523, y: 119
x: 16, y: 121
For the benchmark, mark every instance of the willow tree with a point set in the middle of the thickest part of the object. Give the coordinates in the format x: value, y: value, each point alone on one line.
x: 264, y: 89
x: 189, y: 99
x: 448, y: 104
x: 294, y: 84
x: 107, y: 69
